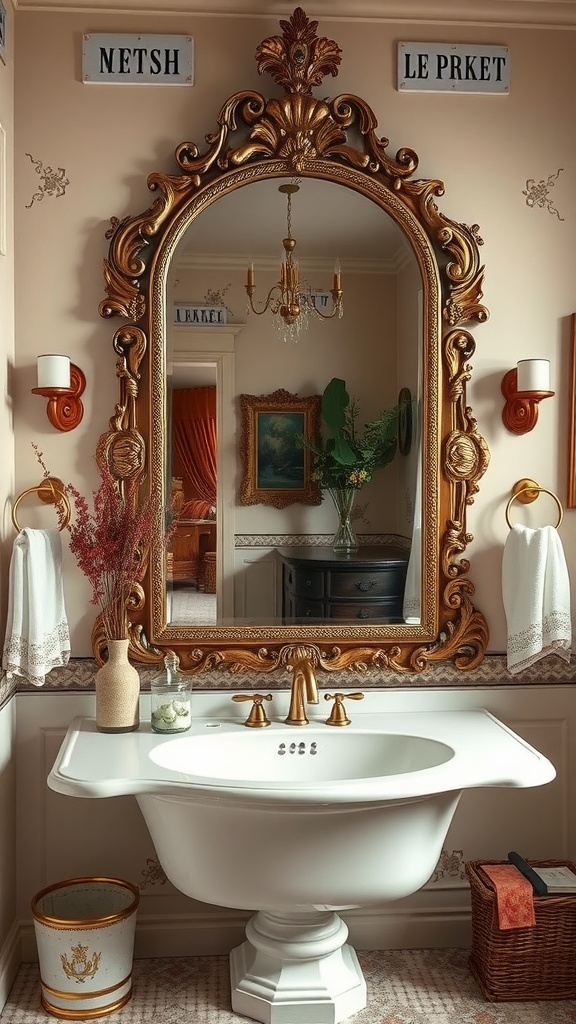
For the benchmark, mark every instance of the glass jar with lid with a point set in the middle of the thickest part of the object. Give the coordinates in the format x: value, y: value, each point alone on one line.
x: 170, y: 699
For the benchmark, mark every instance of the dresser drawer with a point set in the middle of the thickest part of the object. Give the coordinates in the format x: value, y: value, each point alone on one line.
x: 364, y: 584
x: 357, y: 611
x: 303, y: 609
x: 307, y: 583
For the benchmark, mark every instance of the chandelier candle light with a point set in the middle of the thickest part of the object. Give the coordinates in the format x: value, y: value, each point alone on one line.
x: 291, y: 301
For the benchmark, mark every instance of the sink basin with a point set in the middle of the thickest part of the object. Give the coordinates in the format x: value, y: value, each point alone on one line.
x: 323, y: 756
x: 379, y: 757
x: 295, y: 824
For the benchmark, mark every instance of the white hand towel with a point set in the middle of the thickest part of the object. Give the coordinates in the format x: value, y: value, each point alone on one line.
x: 37, y: 637
x: 536, y: 593
x: 412, y: 608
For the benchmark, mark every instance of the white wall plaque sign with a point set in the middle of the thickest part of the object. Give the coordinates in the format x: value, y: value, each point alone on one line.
x: 138, y: 59
x: 188, y: 313
x: 323, y: 301
x: 453, y: 67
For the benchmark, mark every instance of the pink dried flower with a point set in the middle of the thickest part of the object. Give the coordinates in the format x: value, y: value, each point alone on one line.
x: 110, y: 543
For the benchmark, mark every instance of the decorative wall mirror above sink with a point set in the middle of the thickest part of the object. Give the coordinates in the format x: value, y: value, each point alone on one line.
x: 345, y: 177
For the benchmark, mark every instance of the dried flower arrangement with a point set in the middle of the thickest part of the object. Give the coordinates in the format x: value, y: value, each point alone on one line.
x: 110, y: 543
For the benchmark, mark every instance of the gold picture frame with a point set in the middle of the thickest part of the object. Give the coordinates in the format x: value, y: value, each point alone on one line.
x: 276, y: 469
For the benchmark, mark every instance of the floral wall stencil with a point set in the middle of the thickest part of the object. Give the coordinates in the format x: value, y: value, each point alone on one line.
x: 212, y: 297
x: 53, y: 183
x: 153, y: 874
x: 216, y: 298
x: 536, y: 192
x: 450, y: 865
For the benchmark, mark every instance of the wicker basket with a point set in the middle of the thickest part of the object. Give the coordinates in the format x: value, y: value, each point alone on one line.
x: 523, y: 963
x: 210, y: 572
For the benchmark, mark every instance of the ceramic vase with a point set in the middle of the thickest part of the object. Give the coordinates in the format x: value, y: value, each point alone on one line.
x: 344, y: 540
x: 117, y: 691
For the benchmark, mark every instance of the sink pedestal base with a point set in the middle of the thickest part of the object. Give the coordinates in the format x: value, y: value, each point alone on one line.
x: 296, y: 967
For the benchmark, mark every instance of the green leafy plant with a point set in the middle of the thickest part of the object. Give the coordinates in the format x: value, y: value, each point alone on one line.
x: 348, y: 457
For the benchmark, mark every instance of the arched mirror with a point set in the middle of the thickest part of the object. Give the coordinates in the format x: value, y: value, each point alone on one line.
x: 411, y: 281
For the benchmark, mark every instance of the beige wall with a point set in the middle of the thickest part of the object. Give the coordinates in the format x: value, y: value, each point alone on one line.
x: 106, y: 139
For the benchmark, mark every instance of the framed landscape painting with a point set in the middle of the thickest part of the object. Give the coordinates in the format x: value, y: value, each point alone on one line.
x: 276, y: 467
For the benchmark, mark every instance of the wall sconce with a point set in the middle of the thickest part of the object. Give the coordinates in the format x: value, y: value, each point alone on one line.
x: 62, y: 383
x: 523, y: 388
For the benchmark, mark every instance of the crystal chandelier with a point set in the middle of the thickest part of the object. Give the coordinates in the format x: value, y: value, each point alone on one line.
x: 292, y: 301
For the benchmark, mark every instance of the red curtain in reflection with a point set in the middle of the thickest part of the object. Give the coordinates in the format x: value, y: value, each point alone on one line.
x: 194, y: 433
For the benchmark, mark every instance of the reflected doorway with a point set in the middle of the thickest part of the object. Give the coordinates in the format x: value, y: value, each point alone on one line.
x: 193, y: 477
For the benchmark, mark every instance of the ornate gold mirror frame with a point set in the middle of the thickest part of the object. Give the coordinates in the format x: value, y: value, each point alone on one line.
x: 334, y: 140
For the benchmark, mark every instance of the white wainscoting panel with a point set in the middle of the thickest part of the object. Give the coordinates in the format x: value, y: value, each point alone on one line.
x: 257, y: 584
x: 9, y: 938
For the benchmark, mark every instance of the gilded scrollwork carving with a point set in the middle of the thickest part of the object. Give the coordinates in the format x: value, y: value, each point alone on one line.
x: 458, y: 349
x: 464, y: 638
x: 298, y: 59
x: 336, y: 140
x: 123, y: 448
x: 466, y: 456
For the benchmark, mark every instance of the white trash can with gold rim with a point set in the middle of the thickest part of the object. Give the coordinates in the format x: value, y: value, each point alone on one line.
x: 84, y: 931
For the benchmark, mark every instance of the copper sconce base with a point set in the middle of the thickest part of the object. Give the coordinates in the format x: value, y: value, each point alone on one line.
x: 65, y: 409
x: 520, y: 412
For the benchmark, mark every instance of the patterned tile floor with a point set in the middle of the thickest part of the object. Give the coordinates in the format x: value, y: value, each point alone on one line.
x: 404, y: 987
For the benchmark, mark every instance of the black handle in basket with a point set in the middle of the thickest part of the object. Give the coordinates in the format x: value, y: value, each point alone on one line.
x: 539, y: 886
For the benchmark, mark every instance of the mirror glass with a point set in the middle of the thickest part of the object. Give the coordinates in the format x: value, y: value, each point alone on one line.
x: 377, y: 347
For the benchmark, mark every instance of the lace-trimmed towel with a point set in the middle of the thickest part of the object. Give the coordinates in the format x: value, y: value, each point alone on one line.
x: 37, y: 637
x: 536, y: 594
x: 412, y: 605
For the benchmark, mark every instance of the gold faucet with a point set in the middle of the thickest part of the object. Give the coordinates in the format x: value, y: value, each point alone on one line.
x: 303, y: 685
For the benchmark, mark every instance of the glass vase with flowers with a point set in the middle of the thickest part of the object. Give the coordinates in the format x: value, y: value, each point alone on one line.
x: 344, y: 461
x: 111, y: 542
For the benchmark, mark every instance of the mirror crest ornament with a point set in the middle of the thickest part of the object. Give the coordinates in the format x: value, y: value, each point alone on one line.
x: 335, y: 140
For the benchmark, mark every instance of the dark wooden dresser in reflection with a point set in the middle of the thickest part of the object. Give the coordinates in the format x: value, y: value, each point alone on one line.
x: 190, y: 542
x: 367, y: 586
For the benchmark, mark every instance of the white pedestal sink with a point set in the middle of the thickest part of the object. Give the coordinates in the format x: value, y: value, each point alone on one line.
x: 297, y: 824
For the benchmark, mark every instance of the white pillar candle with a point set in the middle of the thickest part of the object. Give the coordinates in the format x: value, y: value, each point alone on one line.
x: 534, y: 375
x: 53, y: 371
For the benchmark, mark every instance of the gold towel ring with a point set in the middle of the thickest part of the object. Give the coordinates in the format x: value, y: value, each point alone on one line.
x: 51, y: 491
x: 526, y: 491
